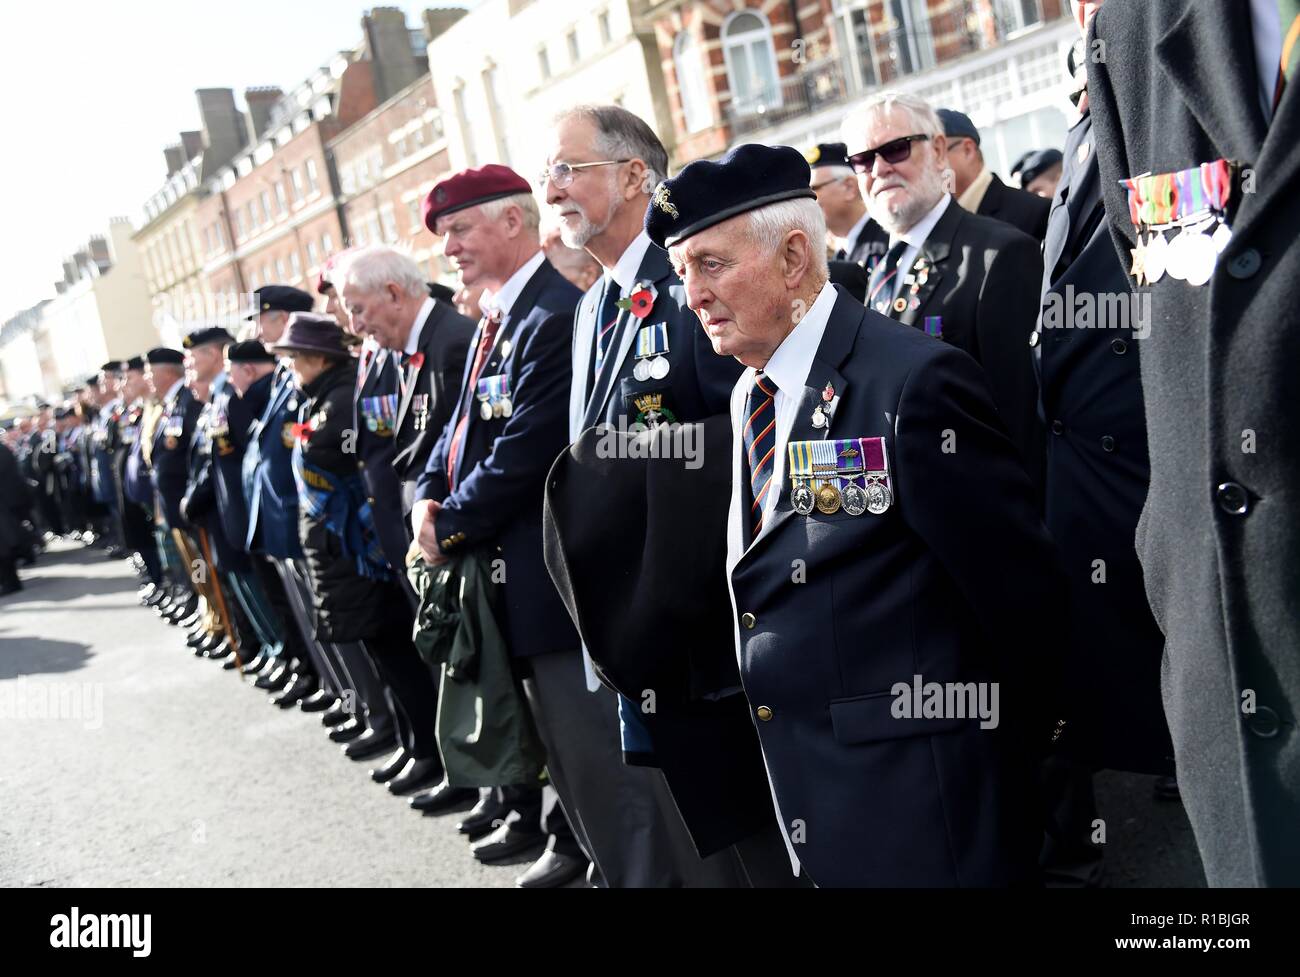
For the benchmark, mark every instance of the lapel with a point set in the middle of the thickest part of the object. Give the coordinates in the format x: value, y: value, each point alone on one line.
x: 1279, y: 159
x: 655, y: 268
x: 411, y: 372
x: 933, y: 253
x: 584, y: 334
x: 837, y: 342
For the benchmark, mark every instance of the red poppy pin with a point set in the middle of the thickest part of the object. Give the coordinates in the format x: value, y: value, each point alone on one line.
x: 417, y: 360
x: 640, y: 302
x: 304, y: 431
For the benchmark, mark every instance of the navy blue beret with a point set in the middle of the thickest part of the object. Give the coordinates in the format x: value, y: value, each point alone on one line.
x: 828, y: 154
x: 163, y: 354
x: 250, y: 351
x: 135, y: 363
x: 1034, y: 163
x: 705, y: 193
x: 957, y: 125
x: 212, y: 334
x: 280, y: 298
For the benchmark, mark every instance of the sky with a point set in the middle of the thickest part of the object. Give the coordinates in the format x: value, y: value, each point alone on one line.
x: 93, y: 91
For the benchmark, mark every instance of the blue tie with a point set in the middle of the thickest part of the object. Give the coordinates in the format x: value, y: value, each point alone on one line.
x: 605, y: 323
x: 759, y: 438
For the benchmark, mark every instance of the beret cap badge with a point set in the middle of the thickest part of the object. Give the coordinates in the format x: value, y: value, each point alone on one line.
x: 661, y: 201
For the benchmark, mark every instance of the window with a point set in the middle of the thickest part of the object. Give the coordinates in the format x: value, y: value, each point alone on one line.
x: 389, y: 220
x: 312, y: 183
x: 241, y: 231
x: 254, y: 282
x: 691, y: 88
x: 361, y: 238
x: 910, y: 42
x: 543, y: 63
x: 326, y: 244
x: 296, y: 179
x: 281, y: 199
x: 401, y: 148
x: 462, y: 117
x: 279, y: 270
x: 751, y: 62
x: 417, y: 139
x: 266, y: 272
x: 606, y: 35
x: 348, y: 179
x: 1015, y: 15
x: 313, y: 255
x: 295, y: 265
x: 413, y: 211
x: 574, y: 54
x: 853, y: 34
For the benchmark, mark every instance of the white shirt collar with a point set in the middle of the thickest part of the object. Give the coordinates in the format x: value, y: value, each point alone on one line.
x: 625, y: 269
x: 505, y: 298
x: 413, y: 340
x: 791, y: 363
x: 847, y: 241
x: 918, y: 232
x: 174, y: 389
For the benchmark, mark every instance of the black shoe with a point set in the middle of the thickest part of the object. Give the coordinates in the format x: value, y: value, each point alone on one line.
x: 416, y: 775
x: 301, y: 687
x: 157, y: 597
x: 197, y: 637
x: 391, y: 767
x: 319, y: 701
x: 181, y: 612
x: 10, y: 588
x: 209, y: 645
x: 551, y: 871
x: 230, y: 664
x: 1166, y: 789
x: 192, y: 623
x: 442, y: 799
x: 488, y: 815
x: 276, y: 679
x: 224, y: 650
x: 369, y: 745
x: 336, y: 716
x: 348, y: 731
x: 506, y: 841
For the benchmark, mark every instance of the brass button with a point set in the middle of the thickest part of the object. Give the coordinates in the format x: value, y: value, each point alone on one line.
x: 361, y: 465
x: 764, y: 713
x: 370, y: 500
x: 749, y: 621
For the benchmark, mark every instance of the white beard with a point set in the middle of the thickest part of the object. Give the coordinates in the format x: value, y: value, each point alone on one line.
x: 901, y: 216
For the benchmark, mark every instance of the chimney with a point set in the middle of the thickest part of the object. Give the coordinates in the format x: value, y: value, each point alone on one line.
x: 437, y: 21
x: 261, y: 107
x: 191, y: 144
x: 392, y: 56
x: 175, y: 157
x: 224, y: 134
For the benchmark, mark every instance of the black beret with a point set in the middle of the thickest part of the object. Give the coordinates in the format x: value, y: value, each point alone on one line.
x: 828, y: 154
x: 439, y: 291
x: 112, y: 366
x: 280, y: 298
x: 134, y: 363
x: 1034, y: 163
x: 212, y: 334
x: 249, y: 352
x: 164, y: 355
x: 60, y: 413
x: 957, y: 125
x: 705, y: 193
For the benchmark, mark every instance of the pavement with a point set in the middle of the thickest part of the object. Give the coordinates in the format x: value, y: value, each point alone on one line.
x: 127, y: 762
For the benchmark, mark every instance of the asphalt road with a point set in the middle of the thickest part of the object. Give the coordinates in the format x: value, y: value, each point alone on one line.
x: 126, y: 761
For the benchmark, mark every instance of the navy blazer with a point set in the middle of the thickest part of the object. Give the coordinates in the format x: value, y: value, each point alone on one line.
x: 171, y: 451
x: 955, y: 582
x: 202, y: 508
x: 503, y: 463
x: 269, y: 484
x: 376, y: 448
x: 699, y: 381
x: 1026, y: 212
x: 235, y: 415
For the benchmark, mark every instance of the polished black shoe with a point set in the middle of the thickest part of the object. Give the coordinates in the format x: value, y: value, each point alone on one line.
x: 319, y: 701
x: 391, y: 767
x: 348, y: 731
x: 231, y: 663
x: 418, y: 774
x: 1166, y: 789
x: 197, y: 637
x: 441, y: 799
x: 336, y: 716
x: 488, y: 815
x: 276, y: 679
x: 182, y: 611
x: 224, y: 650
x: 505, y: 842
x: 191, y: 623
x: 369, y: 745
x: 301, y: 687
x: 157, y: 597
x: 210, y: 644
x: 552, y: 870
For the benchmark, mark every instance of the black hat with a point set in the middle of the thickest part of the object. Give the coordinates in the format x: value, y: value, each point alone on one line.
x: 279, y: 298
x: 60, y: 413
x: 439, y: 291
x: 309, y: 332
x: 112, y: 366
x: 1034, y: 164
x: 957, y: 125
x: 828, y: 154
x: 134, y: 363
x: 212, y: 334
x: 162, y: 354
x: 705, y: 193
x: 249, y: 352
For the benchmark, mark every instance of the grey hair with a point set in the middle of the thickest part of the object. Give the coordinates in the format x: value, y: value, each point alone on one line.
x: 370, y: 269
x: 924, y: 118
x: 527, y: 204
x: 769, y: 225
x: 621, y: 134
x: 837, y: 173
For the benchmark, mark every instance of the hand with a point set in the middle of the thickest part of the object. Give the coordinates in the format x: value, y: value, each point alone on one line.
x: 424, y: 523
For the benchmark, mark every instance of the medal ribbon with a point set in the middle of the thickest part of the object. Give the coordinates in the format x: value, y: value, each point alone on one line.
x: 494, y: 389
x: 874, y: 458
x: 800, y: 459
x: 652, y: 341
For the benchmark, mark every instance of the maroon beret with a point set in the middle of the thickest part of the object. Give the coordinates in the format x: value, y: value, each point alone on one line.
x: 469, y: 188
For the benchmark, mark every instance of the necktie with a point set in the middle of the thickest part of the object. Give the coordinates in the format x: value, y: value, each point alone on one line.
x: 759, y: 440
x: 488, y: 336
x: 878, y: 294
x: 606, y: 321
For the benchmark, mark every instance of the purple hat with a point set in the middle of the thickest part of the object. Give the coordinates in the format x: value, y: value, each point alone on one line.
x: 309, y: 332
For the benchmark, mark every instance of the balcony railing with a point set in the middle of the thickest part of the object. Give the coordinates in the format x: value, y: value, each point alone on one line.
x: 811, y: 88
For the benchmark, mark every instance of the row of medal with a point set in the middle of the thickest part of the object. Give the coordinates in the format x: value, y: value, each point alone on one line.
x: 829, y: 475
x: 1192, y: 202
x: 651, y: 350
x: 494, y: 397
x: 380, y: 414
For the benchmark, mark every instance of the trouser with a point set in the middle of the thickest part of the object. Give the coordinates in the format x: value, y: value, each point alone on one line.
x: 282, y: 616
x: 410, y: 689
x: 195, y: 551
x: 247, y: 592
x: 9, y: 570
x: 617, y: 812
x: 1068, y: 858
x: 139, y: 537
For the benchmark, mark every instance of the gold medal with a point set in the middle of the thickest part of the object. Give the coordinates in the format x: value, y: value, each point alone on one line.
x: 828, y: 499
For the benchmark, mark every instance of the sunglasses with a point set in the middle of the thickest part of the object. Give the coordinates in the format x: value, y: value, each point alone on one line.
x: 562, y: 174
x: 892, y: 152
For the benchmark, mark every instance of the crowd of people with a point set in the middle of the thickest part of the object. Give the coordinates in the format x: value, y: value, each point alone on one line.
x: 887, y: 619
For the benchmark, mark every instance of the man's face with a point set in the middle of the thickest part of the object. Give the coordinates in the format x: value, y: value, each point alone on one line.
x: 270, y: 326
x: 161, y: 378
x: 334, y: 306
x: 586, y: 206
x: 379, y: 314
x: 736, y: 290
x: 202, y: 364
x: 475, y: 244
x: 134, y: 385
x: 900, y: 194
x: 1044, y: 185
x: 965, y: 161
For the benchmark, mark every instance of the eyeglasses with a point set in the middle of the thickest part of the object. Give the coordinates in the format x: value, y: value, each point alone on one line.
x: 825, y: 183
x: 892, y: 152
x: 562, y: 174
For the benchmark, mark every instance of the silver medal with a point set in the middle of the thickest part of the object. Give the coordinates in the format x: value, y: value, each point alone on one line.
x: 1200, y: 258
x: 854, y: 499
x: 641, y: 371
x: 819, y: 418
x: 801, y: 499
x: 1176, y: 257
x: 659, y: 367
x: 485, y: 411
x: 506, y: 347
x: 879, y: 498
x: 507, y: 408
x: 1222, y: 236
x: 1157, y: 257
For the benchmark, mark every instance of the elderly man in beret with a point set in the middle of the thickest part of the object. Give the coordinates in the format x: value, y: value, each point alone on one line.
x: 979, y: 190
x: 873, y: 486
